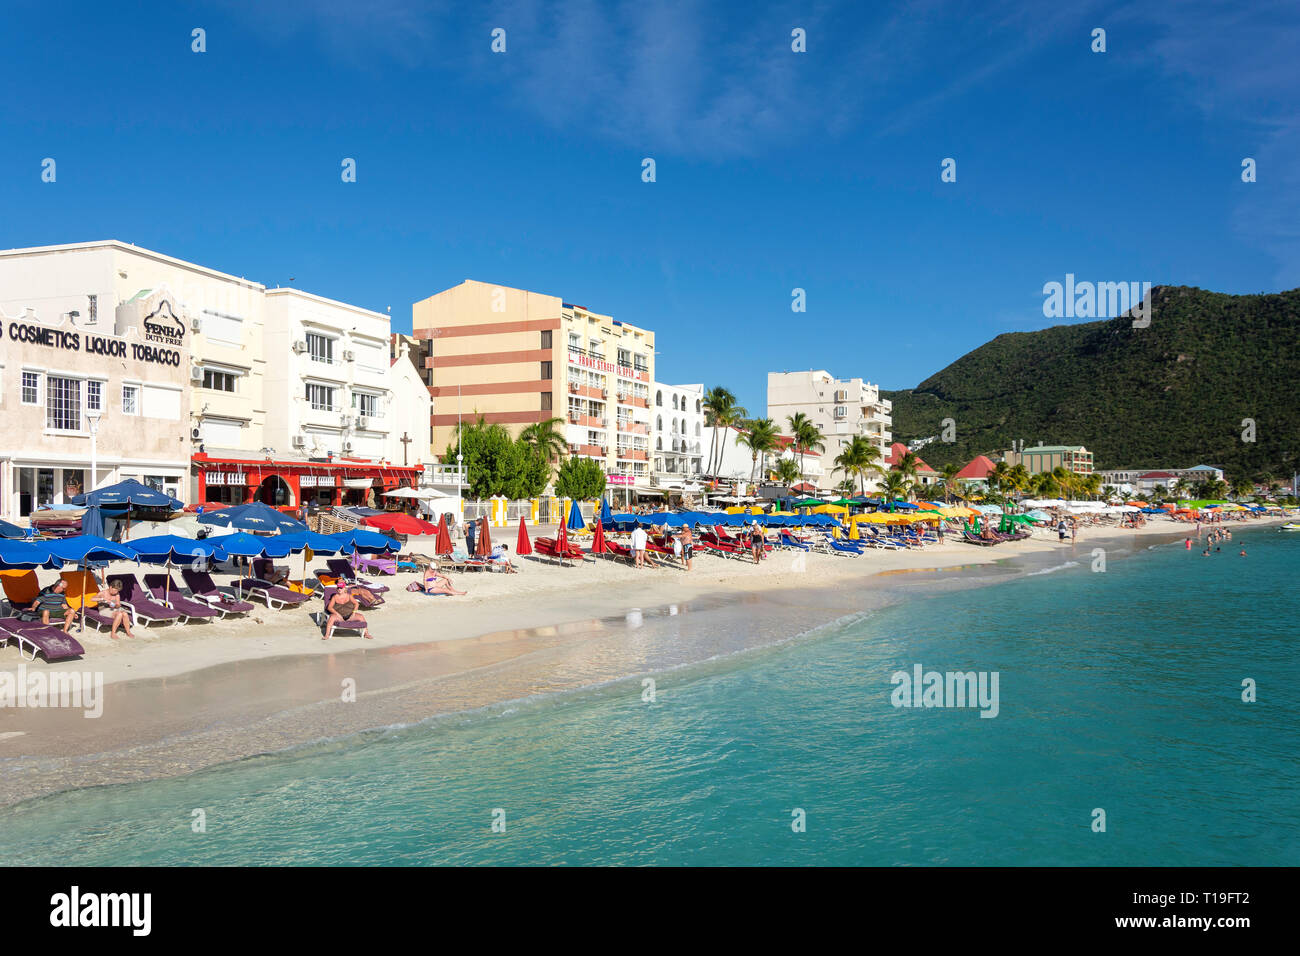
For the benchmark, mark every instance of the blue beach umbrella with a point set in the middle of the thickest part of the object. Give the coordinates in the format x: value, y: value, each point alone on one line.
x: 126, y: 494
x: 82, y: 549
x: 252, y: 517
x: 166, y: 548
x: 8, y: 530
x: 243, y: 545
x: 606, y: 515
x: 367, y: 541
x: 24, y: 554
x: 575, y: 517
x: 92, y: 522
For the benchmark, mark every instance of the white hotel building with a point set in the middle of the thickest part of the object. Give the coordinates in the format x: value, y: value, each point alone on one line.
x: 840, y: 407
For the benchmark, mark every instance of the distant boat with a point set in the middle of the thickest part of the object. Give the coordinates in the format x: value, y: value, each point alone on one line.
x: 1291, y: 526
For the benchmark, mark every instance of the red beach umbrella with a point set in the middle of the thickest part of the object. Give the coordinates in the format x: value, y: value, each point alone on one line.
x: 523, y: 545
x: 483, y: 544
x: 562, y: 541
x: 598, y: 539
x: 443, y: 544
x: 401, y: 524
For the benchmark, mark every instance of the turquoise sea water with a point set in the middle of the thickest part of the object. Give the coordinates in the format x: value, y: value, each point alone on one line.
x: 1118, y: 690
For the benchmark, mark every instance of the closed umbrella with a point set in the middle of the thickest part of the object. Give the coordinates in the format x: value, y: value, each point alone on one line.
x: 575, y: 516
x: 483, y: 544
x: 92, y: 522
x: 562, y: 542
x: 524, y: 545
x: 443, y: 544
x: 606, y: 515
x: 598, y: 539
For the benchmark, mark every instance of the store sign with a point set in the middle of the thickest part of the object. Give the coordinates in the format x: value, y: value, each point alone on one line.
x: 620, y: 480
x: 162, y: 325
x: 600, y: 365
x: 91, y: 344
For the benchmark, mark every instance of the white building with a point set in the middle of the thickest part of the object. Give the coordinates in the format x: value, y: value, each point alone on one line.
x: 679, y: 438
x: 841, y: 408
x: 329, y: 385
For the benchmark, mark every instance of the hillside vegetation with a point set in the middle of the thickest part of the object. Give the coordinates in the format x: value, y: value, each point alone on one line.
x: 1173, y: 394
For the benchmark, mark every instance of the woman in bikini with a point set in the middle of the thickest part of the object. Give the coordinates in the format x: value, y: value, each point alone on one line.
x: 111, y: 598
x: 435, y: 582
x: 343, y: 609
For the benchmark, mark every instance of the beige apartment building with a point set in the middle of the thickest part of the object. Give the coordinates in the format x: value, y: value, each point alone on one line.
x: 841, y: 407
x: 515, y: 358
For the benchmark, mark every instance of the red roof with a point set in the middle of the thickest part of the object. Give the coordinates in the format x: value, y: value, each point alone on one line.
x: 978, y: 467
x: 896, y: 452
x: 1157, y: 474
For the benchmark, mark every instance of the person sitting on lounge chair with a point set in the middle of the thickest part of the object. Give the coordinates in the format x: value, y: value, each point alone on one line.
x: 435, y: 582
x: 52, y: 600
x: 343, y: 608
x: 276, y: 574
x: 111, y: 598
x: 500, y: 558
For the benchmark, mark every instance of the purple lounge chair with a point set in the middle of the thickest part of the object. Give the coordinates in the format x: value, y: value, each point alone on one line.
x: 171, y: 596
x: 272, y: 595
x: 34, y: 638
x: 342, y: 568
x: 203, y: 588
x: 146, y: 609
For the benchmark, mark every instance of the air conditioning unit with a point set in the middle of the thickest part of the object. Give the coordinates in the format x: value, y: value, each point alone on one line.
x: 196, y: 434
x: 299, y: 441
x: 347, y: 446
x: 300, y: 346
x: 363, y: 422
x: 196, y: 324
x: 196, y: 373
x: 348, y: 355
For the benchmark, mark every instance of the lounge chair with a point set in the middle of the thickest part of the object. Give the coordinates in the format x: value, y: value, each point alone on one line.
x: 790, y: 541
x: 845, y: 547
x: 21, y: 589
x: 34, y: 638
x: 376, y: 564
x: 622, y: 551
x: 330, y: 584
x: 970, y: 538
x: 273, y: 596
x: 146, y: 609
x: 342, y: 568
x: 203, y: 588
x: 166, y: 592
x: 357, y: 625
x: 81, y: 597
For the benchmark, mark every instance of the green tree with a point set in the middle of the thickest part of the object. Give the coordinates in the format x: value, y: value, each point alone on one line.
x: 859, y: 457
x: 720, y: 412
x: 581, y: 479
x: 759, y: 438
x: 787, y: 471
x: 807, y: 437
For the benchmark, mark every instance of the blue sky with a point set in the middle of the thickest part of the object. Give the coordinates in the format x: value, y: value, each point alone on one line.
x: 775, y: 170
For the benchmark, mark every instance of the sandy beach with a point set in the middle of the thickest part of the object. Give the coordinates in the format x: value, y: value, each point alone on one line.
x: 178, y: 699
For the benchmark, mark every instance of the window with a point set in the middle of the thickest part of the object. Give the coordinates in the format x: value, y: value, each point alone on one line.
x: 575, y: 343
x: 130, y: 400
x: 218, y: 381
x: 546, y: 401
x: 62, y: 403
x: 624, y: 357
x: 697, y: 409
x: 320, y: 348
x: 31, y: 388
x: 546, y: 371
x: 321, y: 397
x: 94, y: 396
x: 659, y: 398
x: 546, y: 338
x: 367, y: 405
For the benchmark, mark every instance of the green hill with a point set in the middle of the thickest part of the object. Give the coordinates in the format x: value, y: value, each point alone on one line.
x: 1173, y: 394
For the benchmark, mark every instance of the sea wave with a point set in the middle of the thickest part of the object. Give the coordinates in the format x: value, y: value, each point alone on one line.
x: 1058, y: 567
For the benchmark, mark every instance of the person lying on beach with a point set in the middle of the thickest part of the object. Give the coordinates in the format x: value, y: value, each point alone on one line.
x: 111, y: 598
x: 435, y: 582
x: 343, y: 609
x: 51, y: 599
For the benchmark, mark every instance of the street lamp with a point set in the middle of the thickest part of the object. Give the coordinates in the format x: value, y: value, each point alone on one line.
x: 93, y: 419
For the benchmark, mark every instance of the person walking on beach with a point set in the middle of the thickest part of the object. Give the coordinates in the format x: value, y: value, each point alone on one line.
x: 639, y: 539
x: 1061, y: 530
x: 687, y: 538
x: 1074, y: 529
x: 756, y: 541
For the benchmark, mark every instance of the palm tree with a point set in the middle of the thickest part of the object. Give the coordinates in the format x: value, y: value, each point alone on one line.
x: 787, y: 471
x: 545, y: 438
x: 807, y: 436
x: 720, y: 411
x: 907, y: 467
x: 859, y: 456
x: 760, y: 438
x: 997, y: 478
x: 948, y: 479
x: 1243, y: 487
x: 895, y: 485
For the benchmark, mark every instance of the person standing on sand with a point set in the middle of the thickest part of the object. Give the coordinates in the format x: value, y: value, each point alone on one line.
x: 639, y: 539
x: 687, y: 537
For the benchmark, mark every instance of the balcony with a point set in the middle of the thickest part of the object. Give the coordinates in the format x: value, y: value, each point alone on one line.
x: 592, y: 421
x: 587, y: 451
x: 634, y: 401
x: 633, y: 454
x: 633, y: 428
